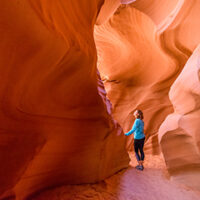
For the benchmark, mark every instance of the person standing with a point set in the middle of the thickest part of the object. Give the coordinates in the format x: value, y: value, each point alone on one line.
x: 139, y: 138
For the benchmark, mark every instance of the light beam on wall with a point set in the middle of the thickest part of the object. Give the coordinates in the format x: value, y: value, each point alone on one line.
x: 127, y: 1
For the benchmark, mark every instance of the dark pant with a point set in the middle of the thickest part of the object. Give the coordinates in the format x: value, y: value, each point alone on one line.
x: 138, y: 145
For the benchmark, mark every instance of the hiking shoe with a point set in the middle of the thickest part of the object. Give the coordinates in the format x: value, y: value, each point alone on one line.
x: 139, y: 167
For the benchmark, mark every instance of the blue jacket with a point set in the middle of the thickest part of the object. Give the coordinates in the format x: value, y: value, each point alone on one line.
x: 137, y: 129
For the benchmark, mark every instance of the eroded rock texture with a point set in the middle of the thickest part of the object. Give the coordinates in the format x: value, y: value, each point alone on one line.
x: 56, y: 122
x: 141, y: 51
x: 134, y: 67
x: 180, y: 132
x: 56, y: 126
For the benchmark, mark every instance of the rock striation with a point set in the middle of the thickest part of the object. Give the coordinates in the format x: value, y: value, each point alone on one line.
x: 72, y: 74
x: 141, y: 51
x: 179, y: 133
x: 56, y: 125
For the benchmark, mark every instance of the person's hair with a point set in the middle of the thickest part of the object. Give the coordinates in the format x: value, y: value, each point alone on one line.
x: 140, y: 114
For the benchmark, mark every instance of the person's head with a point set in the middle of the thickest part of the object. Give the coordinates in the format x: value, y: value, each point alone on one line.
x: 138, y: 114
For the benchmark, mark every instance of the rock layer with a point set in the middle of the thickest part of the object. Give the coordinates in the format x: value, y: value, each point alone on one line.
x: 140, y: 55
x: 56, y: 126
x: 134, y: 67
x: 179, y: 134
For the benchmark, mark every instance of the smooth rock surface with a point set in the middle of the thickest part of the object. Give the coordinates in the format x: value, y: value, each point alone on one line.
x: 140, y: 55
x: 179, y: 134
x: 59, y: 125
x: 56, y: 125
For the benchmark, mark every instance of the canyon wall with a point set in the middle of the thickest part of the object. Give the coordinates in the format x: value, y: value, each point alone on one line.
x: 141, y: 51
x: 134, y: 69
x: 56, y: 125
x: 179, y: 134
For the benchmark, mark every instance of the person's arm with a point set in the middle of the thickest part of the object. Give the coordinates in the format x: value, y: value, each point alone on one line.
x: 135, y: 126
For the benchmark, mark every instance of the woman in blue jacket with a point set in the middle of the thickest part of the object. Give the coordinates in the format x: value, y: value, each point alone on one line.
x: 139, y: 137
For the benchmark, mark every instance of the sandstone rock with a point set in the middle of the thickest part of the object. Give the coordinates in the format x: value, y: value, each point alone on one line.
x: 140, y: 55
x: 133, y: 67
x: 179, y: 134
x: 56, y: 127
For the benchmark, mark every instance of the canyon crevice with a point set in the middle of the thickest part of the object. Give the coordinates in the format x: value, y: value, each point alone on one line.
x: 72, y: 74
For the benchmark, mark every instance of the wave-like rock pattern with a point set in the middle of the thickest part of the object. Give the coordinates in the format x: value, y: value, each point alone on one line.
x: 179, y: 134
x: 133, y: 66
x: 56, y: 126
x: 141, y: 51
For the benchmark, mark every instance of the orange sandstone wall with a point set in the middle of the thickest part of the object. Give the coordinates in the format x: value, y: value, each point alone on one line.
x: 179, y: 134
x: 142, y: 55
x: 55, y: 121
x: 141, y: 51
x: 57, y: 124
x: 134, y: 67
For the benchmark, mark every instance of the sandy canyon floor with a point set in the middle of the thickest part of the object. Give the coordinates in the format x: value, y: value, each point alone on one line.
x: 129, y: 184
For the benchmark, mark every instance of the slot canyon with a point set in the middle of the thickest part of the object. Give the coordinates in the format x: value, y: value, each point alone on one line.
x: 72, y: 74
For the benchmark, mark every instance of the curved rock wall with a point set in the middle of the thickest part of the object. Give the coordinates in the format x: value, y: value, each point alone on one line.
x: 57, y: 123
x: 56, y: 126
x: 141, y: 51
x: 133, y: 67
x: 179, y: 134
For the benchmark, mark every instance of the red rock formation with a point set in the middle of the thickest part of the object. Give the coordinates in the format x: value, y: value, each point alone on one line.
x: 160, y: 11
x: 56, y: 121
x: 128, y: 184
x: 179, y: 134
x: 133, y: 66
x: 107, y: 10
x: 55, y: 125
x: 141, y: 54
